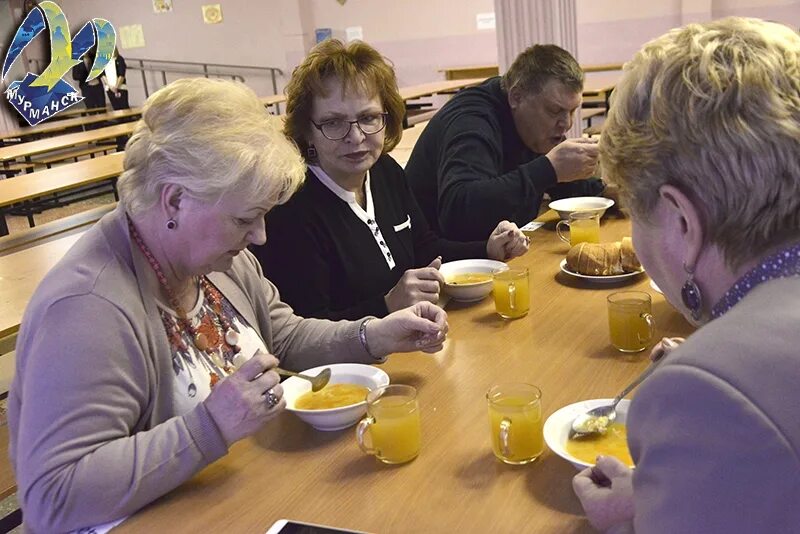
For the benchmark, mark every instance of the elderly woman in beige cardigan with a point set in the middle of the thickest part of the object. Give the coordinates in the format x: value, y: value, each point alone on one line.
x: 150, y: 348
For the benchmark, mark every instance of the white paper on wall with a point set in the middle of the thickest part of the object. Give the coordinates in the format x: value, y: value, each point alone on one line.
x: 354, y: 33
x: 131, y: 36
x: 485, y: 21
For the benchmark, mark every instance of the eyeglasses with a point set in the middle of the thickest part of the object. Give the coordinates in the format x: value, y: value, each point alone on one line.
x: 337, y: 129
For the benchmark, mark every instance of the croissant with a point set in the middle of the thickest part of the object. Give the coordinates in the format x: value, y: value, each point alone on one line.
x: 603, y: 259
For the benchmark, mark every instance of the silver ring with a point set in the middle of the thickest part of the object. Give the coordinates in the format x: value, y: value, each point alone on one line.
x: 272, y: 399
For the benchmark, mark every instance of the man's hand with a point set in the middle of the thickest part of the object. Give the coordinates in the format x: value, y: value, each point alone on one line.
x: 574, y: 159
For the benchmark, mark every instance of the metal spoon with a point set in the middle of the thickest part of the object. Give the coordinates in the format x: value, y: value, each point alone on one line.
x: 317, y: 382
x: 596, y: 421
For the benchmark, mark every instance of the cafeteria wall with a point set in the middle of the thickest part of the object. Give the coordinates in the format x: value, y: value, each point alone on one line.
x: 419, y: 36
x: 611, y: 31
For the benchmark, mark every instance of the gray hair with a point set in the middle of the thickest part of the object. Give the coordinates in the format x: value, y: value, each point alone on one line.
x: 539, y: 64
x: 714, y: 110
x: 210, y: 137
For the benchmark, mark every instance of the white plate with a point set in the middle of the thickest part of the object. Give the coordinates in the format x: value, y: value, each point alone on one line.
x: 655, y: 287
x: 556, y: 428
x: 600, y: 279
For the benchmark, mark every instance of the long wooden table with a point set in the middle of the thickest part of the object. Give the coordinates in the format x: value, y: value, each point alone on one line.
x: 21, y: 272
x: 51, y: 127
x: 413, y: 92
x: 470, y: 71
x: 57, y: 179
x: 455, y: 485
x: 600, y: 85
x: 52, y: 144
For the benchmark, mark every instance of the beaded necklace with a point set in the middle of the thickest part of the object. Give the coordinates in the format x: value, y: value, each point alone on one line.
x: 199, y: 339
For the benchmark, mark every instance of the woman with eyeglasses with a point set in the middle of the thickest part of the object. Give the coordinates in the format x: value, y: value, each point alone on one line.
x: 353, y: 241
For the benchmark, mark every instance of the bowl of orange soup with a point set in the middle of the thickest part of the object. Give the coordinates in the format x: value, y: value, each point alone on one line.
x: 470, y: 280
x: 338, y: 405
x: 582, y: 452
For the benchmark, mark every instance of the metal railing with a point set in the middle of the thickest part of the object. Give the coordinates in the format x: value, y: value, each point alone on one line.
x: 217, y: 70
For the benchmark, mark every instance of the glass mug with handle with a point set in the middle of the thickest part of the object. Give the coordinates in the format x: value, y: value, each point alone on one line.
x: 631, y: 323
x: 511, y: 292
x: 584, y: 227
x: 515, y: 422
x: 393, y: 424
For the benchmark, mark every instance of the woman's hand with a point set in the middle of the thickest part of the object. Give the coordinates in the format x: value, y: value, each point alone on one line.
x: 239, y: 403
x: 606, y: 493
x: 416, y: 285
x: 664, y: 347
x: 422, y: 326
x: 506, y: 241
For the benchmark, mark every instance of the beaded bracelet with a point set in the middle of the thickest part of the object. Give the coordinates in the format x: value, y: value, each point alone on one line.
x: 362, y: 336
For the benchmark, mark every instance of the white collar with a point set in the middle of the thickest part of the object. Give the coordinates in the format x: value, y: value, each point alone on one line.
x: 366, y: 216
x: 348, y: 196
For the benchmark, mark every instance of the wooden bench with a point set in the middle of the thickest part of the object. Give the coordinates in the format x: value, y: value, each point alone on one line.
x: 8, y: 484
x: 418, y: 115
x: 19, y: 168
x: 587, y: 114
x: 74, y: 154
x: 43, y: 233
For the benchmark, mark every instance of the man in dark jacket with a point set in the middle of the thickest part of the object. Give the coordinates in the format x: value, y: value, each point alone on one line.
x: 493, y: 150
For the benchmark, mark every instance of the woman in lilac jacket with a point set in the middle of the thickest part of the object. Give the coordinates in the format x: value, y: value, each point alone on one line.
x: 703, y: 138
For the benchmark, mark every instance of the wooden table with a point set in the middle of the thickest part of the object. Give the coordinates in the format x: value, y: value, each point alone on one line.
x: 20, y: 273
x: 57, y: 179
x: 289, y: 470
x: 52, y: 144
x: 470, y: 71
x: 50, y: 127
x: 402, y: 152
x: 486, y: 71
x: 274, y: 100
x: 601, y: 67
x: 434, y: 88
x: 599, y: 87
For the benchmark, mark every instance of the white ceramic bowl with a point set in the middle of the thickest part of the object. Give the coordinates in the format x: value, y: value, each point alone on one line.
x: 470, y: 292
x: 556, y: 428
x: 335, y: 418
x: 565, y: 206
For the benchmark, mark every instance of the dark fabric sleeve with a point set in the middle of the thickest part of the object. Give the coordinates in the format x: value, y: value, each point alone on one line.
x: 473, y: 194
x: 79, y: 73
x: 121, y: 66
x: 580, y: 188
x: 294, y: 259
x: 427, y: 243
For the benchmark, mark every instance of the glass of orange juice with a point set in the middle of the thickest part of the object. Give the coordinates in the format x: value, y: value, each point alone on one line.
x: 515, y: 422
x: 393, y: 424
x: 584, y: 227
x: 511, y: 293
x: 630, y: 320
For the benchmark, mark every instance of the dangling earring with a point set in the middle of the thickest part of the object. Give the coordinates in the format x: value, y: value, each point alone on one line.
x: 171, y: 224
x: 691, y: 295
x: 311, y: 152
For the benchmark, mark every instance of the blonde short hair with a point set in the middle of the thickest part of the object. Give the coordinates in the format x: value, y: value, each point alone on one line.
x: 359, y: 67
x: 714, y: 110
x: 210, y: 137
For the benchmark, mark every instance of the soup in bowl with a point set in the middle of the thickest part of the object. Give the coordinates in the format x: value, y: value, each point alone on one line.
x: 470, y: 280
x: 582, y: 452
x: 338, y: 405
